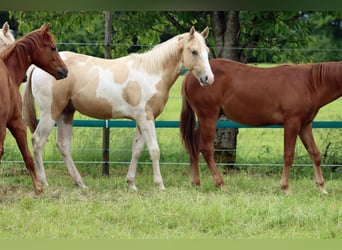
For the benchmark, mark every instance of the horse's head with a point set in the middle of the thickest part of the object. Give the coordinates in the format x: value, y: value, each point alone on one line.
x: 195, y: 56
x: 6, y: 37
x: 45, y: 54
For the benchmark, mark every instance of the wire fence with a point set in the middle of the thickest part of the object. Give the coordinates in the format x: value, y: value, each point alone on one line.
x: 256, y: 147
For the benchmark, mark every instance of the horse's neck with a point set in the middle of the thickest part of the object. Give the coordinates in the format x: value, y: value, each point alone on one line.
x: 17, y: 69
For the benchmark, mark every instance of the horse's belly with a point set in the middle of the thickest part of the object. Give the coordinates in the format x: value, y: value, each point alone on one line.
x: 256, y: 118
x: 101, y: 109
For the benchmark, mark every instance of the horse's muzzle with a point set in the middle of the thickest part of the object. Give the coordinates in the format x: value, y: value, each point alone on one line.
x: 206, y: 80
x: 61, y: 73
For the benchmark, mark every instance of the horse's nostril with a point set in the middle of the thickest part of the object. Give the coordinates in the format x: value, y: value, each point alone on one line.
x: 62, y: 73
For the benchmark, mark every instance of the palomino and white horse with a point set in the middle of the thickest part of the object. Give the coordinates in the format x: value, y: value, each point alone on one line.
x: 135, y: 87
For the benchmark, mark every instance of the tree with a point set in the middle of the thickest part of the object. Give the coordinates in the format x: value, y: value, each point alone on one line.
x: 326, y: 32
x: 226, y: 29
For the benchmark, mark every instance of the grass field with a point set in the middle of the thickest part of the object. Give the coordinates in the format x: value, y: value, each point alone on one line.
x: 253, y: 207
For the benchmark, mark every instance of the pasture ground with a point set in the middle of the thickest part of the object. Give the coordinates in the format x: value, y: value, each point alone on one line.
x: 252, y: 207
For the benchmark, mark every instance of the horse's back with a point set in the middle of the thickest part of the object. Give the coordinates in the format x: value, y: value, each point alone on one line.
x: 251, y: 95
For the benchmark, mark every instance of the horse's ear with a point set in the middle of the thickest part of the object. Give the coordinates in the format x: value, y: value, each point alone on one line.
x: 5, y: 28
x: 45, y: 27
x: 192, y: 32
x: 205, y: 32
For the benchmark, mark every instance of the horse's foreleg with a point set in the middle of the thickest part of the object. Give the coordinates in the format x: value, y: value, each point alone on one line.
x: 138, y: 145
x: 291, y: 130
x: 18, y: 130
x: 308, y: 140
x: 206, y: 145
x: 64, y: 135
x: 148, y: 130
x: 39, y: 138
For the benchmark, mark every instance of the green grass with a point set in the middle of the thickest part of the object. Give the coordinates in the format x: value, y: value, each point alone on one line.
x: 253, y: 207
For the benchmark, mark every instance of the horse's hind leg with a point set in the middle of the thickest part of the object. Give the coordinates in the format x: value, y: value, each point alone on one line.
x: 63, y: 144
x: 39, y: 138
x: 137, y: 148
x: 206, y: 145
x: 291, y: 130
x: 308, y: 140
x: 18, y: 130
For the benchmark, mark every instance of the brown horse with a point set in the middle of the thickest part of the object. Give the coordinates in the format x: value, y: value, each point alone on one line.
x: 39, y: 48
x: 290, y: 95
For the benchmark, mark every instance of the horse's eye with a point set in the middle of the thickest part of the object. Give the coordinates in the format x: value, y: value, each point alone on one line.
x: 53, y: 48
x: 194, y: 52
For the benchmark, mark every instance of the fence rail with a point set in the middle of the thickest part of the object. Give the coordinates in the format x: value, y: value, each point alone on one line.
x: 175, y: 124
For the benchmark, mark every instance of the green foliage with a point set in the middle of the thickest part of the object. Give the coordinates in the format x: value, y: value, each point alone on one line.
x: 265, y: 36
x: 81, y: 32
x: 273, y: 36
x: 326, y: 30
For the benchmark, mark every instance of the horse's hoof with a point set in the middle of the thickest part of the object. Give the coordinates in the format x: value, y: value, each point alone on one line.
x: 38, y: 190
x: 322, y: 189
x: 286, y: 190
x: 131, y: 186
x: 160, y: 185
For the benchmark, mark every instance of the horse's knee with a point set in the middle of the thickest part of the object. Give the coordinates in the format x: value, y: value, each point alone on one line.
x: 63, y: 149
x: 36, y: 143
x: 288, y: 159
x: 155, y: 154
x: 316, y: 157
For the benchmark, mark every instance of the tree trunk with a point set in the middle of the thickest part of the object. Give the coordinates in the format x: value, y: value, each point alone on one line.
x: 106, y: 131
x: 226, y: 29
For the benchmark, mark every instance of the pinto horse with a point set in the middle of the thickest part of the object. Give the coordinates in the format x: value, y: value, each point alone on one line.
x: 290, y: 95
x: 134, y: 87
x: 6, y: 37
x: 37, y: 48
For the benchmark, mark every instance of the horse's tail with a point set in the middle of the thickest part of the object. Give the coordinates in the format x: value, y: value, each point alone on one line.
x: 188, y: 127
x: 29, y: 111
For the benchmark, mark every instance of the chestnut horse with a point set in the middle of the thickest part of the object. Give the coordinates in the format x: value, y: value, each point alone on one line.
x: 38, y: 48
x: 289, y: 95
x: 134, y: 87
x: 6, y: 37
